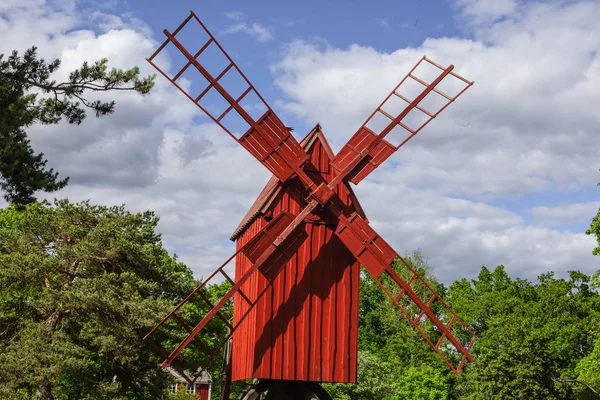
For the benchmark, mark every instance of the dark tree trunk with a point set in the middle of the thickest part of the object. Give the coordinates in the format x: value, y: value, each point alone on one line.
x: 44, y: 390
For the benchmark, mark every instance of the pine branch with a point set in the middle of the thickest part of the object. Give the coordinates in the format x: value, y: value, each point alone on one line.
x: 22, y: 171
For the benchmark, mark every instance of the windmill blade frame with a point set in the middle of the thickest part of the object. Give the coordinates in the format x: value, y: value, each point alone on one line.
x: 367, y: 149
x: 267, y: 138
x: 377, y: 256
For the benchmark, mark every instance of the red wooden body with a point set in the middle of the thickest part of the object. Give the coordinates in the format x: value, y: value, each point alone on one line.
x: 305, y: 327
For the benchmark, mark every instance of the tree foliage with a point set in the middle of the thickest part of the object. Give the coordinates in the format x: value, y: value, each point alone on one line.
x: 532, y: 337
x: 80, y: 285
x: 594, y: 229
x: 536, y: 341
x: 22, y: 171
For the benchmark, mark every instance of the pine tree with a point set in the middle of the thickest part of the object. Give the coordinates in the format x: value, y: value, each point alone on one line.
x: 22, y: 171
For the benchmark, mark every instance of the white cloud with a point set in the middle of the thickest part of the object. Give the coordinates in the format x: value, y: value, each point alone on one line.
x: 486, y: 11
x: 261, y: 33
x: 459, y: 236
x: 235, y: 15
x: 565, y: 214
x: 524, y: 126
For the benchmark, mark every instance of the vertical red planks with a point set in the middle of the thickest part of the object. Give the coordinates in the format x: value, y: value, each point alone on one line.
x: 305, y: 327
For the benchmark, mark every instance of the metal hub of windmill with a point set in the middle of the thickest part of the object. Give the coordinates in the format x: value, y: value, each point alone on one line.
x: 301, y: 245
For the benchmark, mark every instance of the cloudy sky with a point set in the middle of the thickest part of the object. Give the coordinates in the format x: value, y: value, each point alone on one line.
x: 507, y: 175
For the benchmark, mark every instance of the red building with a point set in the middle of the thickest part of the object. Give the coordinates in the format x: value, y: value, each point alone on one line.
x: 200, y: 388
x: 305, y: 327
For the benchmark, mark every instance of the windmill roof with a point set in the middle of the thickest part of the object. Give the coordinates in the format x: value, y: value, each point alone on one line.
x: 273, y: 187
x: 203, y: 378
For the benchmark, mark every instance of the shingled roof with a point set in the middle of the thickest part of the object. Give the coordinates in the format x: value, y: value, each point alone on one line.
x: 273, y: 187
x: 204, y: 377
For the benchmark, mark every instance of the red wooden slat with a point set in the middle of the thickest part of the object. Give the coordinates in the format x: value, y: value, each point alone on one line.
x: 203, y: 93
x: 189, y: 329
x: 353, y: 327
x: 358, y: 143
x: 240, y: 292
x: 451, y: 73
x: 377, y: 156
x: 316, y: 313
x: 240, y: 98
x: 427, y: 84
x: 289, y: 148
x: 263, y: 146
x: 417, y: 107
x: 211, y: 305
x: 187, y: 65
x: 329, y: 306
x: 175, y: 32
x: 448, y: 327
x: 265, y: 238
x: 222, y: 74
x: 429, y: 303
x: 289, y: 275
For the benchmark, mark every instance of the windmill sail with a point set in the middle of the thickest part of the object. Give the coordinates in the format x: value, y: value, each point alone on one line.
x: 449, y: 336
x: 262, y: 134
x: 368, y: 147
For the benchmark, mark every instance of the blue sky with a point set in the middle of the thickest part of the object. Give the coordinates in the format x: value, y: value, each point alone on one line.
x: 385, y: 25
x: 507, y: 175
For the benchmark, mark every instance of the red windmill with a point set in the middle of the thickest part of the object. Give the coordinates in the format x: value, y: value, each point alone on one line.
x: 300, y: 247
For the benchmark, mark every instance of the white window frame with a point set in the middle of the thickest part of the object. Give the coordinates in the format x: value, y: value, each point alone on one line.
x: 191, y: 389
x: 173, y: 387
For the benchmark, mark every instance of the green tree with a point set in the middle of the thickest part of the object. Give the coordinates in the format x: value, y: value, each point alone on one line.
x: 594, y: 229
x: 375, y: 381
x: 22, y: 171
x: 588, y: 370
x: 531, y: 337
x: 588, y: 367
x: 422, y: 383
x: 80, y: 285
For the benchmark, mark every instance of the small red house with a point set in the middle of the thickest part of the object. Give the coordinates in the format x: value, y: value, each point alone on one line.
x: 305, y: 326
x: 200, y: 388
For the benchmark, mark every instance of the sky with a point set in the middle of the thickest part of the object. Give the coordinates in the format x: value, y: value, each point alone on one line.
x: 506, y: 175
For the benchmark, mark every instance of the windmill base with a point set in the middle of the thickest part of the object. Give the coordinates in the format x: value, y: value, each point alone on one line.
x: 266, y: 389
